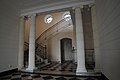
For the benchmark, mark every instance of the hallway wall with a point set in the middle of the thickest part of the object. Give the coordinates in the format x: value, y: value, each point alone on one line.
x: 9, y: 18
x: 41, y: 26
x: 108, y: 22
x: 10, y: 11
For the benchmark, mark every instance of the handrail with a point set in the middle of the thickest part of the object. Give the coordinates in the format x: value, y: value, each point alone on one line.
x: 41, y: 50
x: 49, y: 37
x: 50, y: 28
x: 26, y: 44
x: 38, y: 47
x: 54, y: 29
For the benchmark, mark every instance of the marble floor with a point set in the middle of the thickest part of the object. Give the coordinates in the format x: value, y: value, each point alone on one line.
x: 51, y: 71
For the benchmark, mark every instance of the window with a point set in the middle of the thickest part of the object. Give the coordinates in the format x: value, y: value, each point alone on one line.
x: 48, y: 19
x: 67, y: 16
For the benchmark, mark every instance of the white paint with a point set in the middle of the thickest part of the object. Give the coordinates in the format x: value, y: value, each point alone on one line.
x: 21, y: 43
x: 79, y: 42
x: 31, y: 64
x: 9, y: 18
x: 72, y: 12
x: 108, y: 24
x: 96, y: 41
x: 55, y: 6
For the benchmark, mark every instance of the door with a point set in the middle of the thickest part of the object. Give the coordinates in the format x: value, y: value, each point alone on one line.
x: 66, y: 49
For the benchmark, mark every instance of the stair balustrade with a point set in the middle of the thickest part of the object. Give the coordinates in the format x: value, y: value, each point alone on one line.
x: 40, y: 48
x: 53, y: 31
x: 90, y: 60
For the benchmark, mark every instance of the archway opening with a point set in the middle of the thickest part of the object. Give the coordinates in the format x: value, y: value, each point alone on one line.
x: 66, y: 49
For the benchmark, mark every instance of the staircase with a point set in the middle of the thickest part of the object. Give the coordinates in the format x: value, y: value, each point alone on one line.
x: 53, y: 31
x: 40, y: 54
x: 40, y: 48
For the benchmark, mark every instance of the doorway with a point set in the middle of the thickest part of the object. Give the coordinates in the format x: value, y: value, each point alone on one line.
x: 66, y: 49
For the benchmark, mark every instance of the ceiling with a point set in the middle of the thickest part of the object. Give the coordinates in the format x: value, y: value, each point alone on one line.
x: 33, y: 6
x: 25, y: 4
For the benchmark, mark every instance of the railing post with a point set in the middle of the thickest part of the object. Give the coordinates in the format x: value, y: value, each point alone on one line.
x: 45, y: 52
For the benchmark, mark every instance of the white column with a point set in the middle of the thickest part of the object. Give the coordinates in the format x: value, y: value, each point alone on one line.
x: 79, y: 42
x: 31, y: 63
x: 21, y: 43
x: 72, y: 12
x: 96, y: 41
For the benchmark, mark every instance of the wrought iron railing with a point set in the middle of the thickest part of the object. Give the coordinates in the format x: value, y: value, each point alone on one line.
x: 53, y: 31
x: 41, y: 49
x: 90, y: 58
x: 40, y: 53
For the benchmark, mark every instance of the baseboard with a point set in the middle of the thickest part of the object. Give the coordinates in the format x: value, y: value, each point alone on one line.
x: 8, y: 72
x: 103, y: 77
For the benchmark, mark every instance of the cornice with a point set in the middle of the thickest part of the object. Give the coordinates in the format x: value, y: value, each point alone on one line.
x: 56, y: 6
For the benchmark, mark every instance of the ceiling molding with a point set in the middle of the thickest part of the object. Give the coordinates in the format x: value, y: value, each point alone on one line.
x: 55, y: 6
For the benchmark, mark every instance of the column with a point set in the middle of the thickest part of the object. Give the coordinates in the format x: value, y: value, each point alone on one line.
x: 79, y: 42
x: 72, y: 13
x: 96, y: 41
x: 31, y: 63
x: 21, y: 43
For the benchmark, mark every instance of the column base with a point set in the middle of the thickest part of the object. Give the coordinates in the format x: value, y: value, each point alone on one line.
x: 79, y: 71
x: 46, y: 61
x: 30, y: 69
x: 20, y: 68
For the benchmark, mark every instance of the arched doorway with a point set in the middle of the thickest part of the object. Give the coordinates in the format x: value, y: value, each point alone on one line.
x: 66, y: 49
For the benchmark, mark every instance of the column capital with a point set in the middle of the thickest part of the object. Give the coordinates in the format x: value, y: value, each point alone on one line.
x: 22, y: 17
x: 31, y: 15
x: 77, y: 7
x: 92, y: 4
x: 27, y: 17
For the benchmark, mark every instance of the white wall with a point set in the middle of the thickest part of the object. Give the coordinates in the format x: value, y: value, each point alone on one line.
x: 108, y: 19
x: 41, y: 26
x: 8, y: 35
x: 54, y: 51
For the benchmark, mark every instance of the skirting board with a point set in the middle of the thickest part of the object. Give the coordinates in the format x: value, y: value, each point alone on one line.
x: 8, y: 72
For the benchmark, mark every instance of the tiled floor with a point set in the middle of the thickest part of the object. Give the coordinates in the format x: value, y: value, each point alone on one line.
x: 31, y: 76
x: 53, y: 71
x: 54, y: 66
